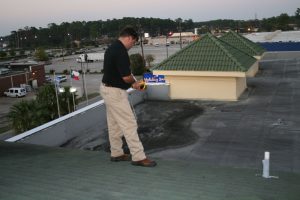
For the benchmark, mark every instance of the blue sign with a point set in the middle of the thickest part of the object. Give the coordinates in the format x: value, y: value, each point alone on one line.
x: 150, y: 78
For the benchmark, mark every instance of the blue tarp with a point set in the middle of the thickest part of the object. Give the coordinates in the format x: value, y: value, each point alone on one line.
x: 281, y: 46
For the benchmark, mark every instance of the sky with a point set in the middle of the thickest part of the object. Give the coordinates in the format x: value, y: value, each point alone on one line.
x: 17, y: 14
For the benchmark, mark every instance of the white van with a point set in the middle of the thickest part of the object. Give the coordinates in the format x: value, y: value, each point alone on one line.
x: 15, y: 92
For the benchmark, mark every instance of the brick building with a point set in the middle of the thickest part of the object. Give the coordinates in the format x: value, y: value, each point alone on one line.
x: 27, y: 73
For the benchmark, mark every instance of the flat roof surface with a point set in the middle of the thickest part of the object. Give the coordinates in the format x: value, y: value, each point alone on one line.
x: 276, y: 36
x: 266, y: 118
x: 224, y: 162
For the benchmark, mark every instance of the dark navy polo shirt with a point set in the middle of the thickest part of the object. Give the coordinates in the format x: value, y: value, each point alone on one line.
x: 116, y: 65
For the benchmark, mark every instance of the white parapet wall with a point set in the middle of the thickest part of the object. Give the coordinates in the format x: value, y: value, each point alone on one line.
x: 61, y: 130
x: 158, y: 91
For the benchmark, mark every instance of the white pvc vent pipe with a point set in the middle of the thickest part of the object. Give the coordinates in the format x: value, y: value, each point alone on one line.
x: 266, y: 166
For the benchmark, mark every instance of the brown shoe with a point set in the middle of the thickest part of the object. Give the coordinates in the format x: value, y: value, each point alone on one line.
x: 124, y: 157
x: 144, y: 163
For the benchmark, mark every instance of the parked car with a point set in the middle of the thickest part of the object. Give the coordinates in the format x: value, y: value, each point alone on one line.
x: 15, y: 92
x: 61, y: 78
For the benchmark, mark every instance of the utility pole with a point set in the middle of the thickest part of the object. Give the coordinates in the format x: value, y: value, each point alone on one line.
x: 83, y: 80
x: 56, y: 94
x: 167, y: 45
x: 180, y: 40
x: 141, y: 39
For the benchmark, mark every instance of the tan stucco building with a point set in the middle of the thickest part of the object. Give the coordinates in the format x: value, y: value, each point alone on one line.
x: 208, y: 69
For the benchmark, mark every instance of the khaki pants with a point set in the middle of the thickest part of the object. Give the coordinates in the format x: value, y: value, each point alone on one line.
x: 121, y: 121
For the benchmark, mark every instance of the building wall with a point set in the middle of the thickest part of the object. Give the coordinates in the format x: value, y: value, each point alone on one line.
x: 206, y: 88
x: 34, y: 77
x: 241, y: 85
x: 253, y: 70
x: 14, y: 80
x: 38, y: 74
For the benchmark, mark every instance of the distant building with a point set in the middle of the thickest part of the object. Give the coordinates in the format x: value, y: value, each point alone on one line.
x: 22, y: 73
x: 276, y: 36
x: 173, y: 38
x: 277, y: 40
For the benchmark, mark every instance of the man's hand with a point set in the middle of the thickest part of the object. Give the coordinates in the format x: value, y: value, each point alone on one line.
x: 139, y: 85
x: 129, y: 79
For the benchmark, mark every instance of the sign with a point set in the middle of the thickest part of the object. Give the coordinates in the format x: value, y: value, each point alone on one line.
x: 150, y: 78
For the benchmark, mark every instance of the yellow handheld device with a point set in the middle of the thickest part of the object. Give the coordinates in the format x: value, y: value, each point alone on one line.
x: 143, y: 86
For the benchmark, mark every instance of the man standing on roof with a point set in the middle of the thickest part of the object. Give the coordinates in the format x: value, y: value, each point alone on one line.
x: 117, y: 78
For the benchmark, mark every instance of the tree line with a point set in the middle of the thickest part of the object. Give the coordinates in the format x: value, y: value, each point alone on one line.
x: 101, y: 32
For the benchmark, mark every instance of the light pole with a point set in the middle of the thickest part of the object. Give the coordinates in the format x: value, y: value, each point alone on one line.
x: 56, y: 93
x: 62, y: 90
x: 72, y: 91
x: 167, y: 46
x: 84, y: 85
x: 141, y: 39
x: 167, y: 35
x: 179, y: 28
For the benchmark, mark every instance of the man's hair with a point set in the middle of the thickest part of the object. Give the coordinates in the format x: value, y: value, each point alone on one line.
x: 129, y: 31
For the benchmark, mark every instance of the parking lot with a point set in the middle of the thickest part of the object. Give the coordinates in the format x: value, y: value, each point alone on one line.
x: 69, y: 62
x: 92, y: 79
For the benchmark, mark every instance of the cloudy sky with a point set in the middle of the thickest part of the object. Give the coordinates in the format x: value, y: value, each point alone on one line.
x: 17, y: 14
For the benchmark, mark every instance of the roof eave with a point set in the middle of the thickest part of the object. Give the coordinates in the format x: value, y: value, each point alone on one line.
x: 200, y: 73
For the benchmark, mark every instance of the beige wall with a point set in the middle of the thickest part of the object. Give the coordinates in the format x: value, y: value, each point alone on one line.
x: 241, y: 85
x: 206, y: 88
x: 252, y: 70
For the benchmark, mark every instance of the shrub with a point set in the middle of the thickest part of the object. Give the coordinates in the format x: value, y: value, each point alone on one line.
x: 149, y: 58
x: 137, y: 64
x: 40, y: 55
x: 66, y: 72
x: 3, y: 54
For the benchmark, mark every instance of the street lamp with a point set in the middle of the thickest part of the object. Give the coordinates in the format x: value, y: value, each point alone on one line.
x: 72, y: 91
x: 62, y: 90
x: 141, y: 32
x: 56, y: 94
x: 167, y: 35
x: 180, y: 30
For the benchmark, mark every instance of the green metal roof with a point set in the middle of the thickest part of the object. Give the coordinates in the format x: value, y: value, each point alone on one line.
x: 29, y: 172
x: 242, y: 43
x: 208, y: 54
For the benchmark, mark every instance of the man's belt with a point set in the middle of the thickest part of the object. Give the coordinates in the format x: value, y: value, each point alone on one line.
x: 107, y: 85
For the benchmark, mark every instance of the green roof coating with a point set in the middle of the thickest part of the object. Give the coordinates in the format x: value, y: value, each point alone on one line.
x: 208, y: 54
x: 242, y: 43
x: 29, y: 172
